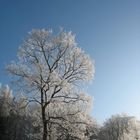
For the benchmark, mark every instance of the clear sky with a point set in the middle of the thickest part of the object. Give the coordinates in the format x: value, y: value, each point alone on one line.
x: 108, y: 30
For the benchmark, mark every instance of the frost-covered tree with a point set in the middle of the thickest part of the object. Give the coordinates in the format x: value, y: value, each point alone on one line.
x: 120, y: 127
x: 15, y: 122
x: 134, y: 130
x: 5, y: 100
x: 92, y: 129
x: 52, y: 68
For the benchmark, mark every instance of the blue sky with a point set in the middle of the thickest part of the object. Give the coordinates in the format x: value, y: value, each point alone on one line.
x: 108, y: 30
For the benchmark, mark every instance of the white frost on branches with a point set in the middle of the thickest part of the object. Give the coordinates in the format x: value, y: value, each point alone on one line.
x: 53, y: 68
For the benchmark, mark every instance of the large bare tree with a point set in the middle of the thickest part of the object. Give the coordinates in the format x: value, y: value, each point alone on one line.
x: 51, y: 68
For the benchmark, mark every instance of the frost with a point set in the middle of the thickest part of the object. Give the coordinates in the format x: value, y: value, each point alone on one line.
x: 50, y: 69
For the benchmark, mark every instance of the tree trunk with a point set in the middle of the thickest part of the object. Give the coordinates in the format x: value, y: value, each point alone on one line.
x: 44, y: 131
x: 43, y: 117
x: 44, y: 124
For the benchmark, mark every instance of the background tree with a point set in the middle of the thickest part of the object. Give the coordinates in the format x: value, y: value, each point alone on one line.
x: 52, y: 68
x: 120, y: 127
x: 92, y: 129
x: 15, y: 122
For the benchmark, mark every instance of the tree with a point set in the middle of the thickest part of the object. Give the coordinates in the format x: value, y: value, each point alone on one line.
x: 134, y: 130
x: 120, y: 127
x: 15, y: 122
x: 92, y: 129
x: 52, y: 68
x: 5, y: 100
